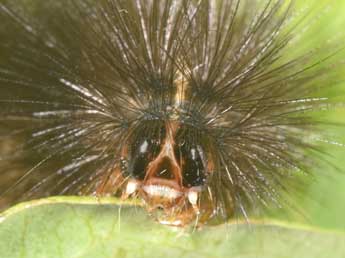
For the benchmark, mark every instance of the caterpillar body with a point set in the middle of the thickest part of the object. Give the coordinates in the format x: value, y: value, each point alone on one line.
x: 193, y: 107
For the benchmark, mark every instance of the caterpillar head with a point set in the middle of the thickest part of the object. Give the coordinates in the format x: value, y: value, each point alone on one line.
x: 167, y: 164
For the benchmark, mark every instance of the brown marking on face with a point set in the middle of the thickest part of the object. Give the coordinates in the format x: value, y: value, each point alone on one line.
x: 167, y: 156
x: 159, y: 189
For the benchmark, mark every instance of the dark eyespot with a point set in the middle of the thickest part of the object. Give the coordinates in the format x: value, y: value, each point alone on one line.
x: 144, y: 146
x: 192, y: 162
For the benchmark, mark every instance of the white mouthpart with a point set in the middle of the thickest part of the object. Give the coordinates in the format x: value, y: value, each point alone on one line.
x: 171, y: 223
x: 162, y: 191
x: 131, y: 187
x: 193, y: 197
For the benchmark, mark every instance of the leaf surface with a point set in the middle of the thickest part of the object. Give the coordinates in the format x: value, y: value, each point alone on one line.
x: 71, y: 227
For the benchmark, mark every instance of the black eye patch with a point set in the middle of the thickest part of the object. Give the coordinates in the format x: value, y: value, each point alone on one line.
x: 193, y: 165
x: 144, y: 146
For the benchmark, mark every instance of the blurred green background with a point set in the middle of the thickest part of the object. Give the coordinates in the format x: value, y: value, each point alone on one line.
x: 324, y: 199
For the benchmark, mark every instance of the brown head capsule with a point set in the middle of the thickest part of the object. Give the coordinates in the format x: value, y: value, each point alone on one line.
x: 166, y: 169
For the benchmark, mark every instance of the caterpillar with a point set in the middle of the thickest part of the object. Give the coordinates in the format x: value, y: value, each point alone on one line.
x: 199, y: 108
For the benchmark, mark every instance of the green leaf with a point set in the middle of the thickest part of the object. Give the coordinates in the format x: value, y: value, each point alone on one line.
x: 70, y: 227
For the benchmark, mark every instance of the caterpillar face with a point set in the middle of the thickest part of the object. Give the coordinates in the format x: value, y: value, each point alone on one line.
x: 165, y: 167
x: 198, y: 108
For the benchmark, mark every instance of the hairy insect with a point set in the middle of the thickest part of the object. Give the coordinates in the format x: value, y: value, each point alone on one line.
x: 194, y: 107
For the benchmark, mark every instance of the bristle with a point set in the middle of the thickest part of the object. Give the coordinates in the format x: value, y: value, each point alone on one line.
x: 80, y: 79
